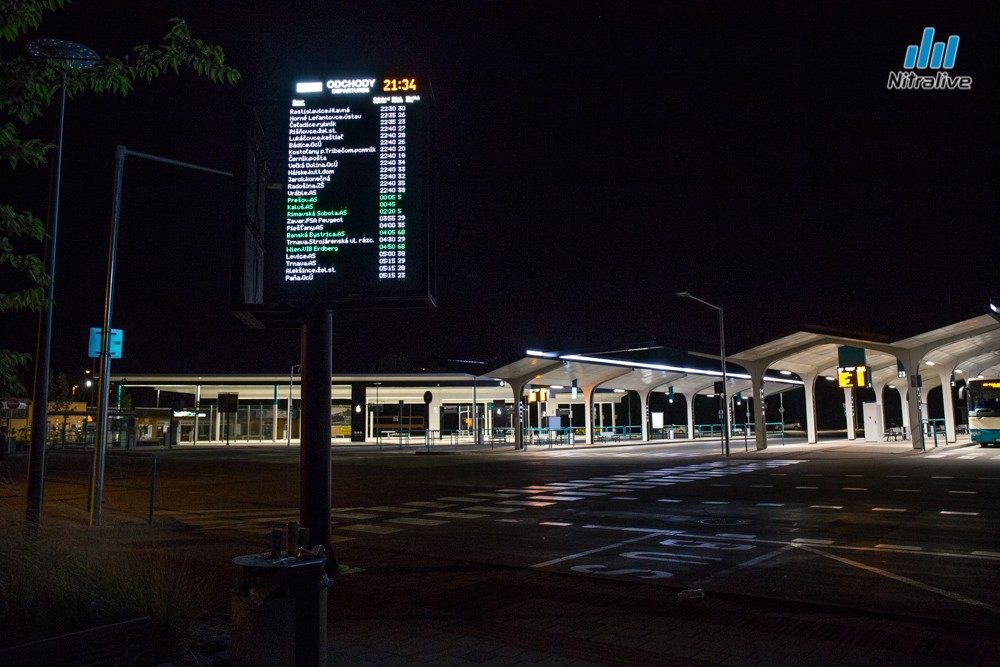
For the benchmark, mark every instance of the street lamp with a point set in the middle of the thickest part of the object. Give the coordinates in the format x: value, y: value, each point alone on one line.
x: 72, y: 56
x: 722, y: 355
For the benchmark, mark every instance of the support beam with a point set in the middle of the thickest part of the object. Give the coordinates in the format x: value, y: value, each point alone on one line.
x: 644, y: 414
x: 809, y: 383
x: 849, y: 413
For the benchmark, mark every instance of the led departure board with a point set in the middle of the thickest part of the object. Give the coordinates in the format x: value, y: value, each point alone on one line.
x: 852, y: 376
x: 357, y: 225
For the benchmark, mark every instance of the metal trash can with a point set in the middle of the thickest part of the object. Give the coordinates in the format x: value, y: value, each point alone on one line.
x: 279, y: 609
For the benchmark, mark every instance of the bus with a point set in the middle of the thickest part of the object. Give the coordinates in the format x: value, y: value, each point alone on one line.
x: 982, y: 399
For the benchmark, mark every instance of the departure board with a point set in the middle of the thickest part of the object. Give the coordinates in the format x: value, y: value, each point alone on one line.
x: 357, y: 224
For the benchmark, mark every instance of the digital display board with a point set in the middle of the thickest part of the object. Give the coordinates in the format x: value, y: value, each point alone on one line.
x: 852, y: 376
x: 357, y: 221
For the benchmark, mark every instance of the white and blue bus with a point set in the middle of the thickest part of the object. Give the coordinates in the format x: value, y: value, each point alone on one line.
x: 982, y: 397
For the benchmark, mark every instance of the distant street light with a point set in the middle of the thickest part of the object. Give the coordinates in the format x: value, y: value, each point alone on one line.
x: 71, y: 56
x: 722, y: 355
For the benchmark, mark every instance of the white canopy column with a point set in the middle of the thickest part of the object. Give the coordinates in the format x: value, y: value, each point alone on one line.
x: 434, y: 416
x: 911, y: 363
x: 809, y: 384
x: 945, y: 374
x: 644, y: 414
x: 689, y: 400
x: 849, y: 413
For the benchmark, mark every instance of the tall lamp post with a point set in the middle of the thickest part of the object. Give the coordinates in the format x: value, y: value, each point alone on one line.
x: 722, y: 355
x: 72, y: 56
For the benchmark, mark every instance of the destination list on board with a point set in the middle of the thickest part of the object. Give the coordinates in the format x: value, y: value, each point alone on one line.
x: 355, y: 206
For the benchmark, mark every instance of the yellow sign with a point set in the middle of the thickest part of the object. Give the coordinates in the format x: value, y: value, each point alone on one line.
x: 852, y: 376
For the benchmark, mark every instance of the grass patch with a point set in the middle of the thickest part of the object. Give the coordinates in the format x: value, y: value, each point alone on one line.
x: 47, y: 590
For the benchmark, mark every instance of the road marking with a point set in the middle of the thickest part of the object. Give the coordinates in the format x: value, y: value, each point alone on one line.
x: 991, y: 554
x: 668, y: 500
x: 370, y: 528
x: 353, y: 515
x: 941, y: 477
x: 413, y: 521
x: 715, y: 502
x: 737, y: 536
x: 896, y: 476
x: 456, y: 515
x: 905, y: 580
x: 770, y: 504
x: 853, y: 475
x: 665, y: 557
x: 900, y: 547
x: 526, y: 503
x: 429, y: 503
x: 762, y: 486
x: 907, y: 490
x: 488, y: 508
x: 554, y: 523
x: 623, y: 498
x: 965, y: 492
x: 827, y: 507
x: 581, y: 554
x: 741, y: 566
x: 806, y: 540
x: 554, y: 497
x: 397, y: 510
x: 722, y: 485
x: 887, y: 509
x: 806, y: 487
x: 854, y: 488
x: 960, y: 513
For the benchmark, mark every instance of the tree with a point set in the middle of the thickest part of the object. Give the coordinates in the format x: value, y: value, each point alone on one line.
x: 28, y: 87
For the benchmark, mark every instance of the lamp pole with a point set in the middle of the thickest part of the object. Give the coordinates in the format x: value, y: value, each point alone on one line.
x: 71, y: 56
x: 722, y: 356
x: 100, y: 441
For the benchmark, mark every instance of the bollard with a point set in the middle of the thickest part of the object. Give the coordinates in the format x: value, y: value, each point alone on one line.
x: 152, y: 486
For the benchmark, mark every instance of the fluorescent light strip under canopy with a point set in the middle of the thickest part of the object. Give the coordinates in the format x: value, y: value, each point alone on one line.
x: 652, y: 367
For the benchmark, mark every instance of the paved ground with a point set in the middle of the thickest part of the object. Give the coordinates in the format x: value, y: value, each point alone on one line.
x: 403, y: 610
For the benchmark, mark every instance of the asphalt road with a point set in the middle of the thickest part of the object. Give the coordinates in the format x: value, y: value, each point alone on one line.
x: 901, y: 533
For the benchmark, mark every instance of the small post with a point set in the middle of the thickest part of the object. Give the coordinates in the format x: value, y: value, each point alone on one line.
x: 152, y: 485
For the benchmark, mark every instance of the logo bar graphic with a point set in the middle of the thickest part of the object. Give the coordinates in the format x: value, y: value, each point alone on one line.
x: 937, y: 55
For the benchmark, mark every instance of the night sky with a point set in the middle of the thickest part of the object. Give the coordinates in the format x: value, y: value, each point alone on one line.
x: 590, y: 160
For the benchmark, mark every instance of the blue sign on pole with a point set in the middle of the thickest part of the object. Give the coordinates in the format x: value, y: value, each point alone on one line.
x: 114, y: 344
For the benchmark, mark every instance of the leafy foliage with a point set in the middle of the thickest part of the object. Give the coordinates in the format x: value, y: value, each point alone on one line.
x: 28, y: 86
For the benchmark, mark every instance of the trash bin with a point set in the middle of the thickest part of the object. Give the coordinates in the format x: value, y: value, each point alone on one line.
x: 279, y: 609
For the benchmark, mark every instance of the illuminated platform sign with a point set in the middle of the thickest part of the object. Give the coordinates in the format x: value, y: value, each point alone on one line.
x: 356, y: 219
x: 852, y: 376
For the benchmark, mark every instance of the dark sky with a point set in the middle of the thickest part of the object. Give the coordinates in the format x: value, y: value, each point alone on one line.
x: 590, y: 160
